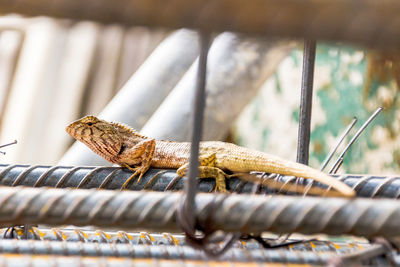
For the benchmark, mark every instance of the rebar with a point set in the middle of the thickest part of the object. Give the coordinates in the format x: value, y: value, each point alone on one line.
x: 26, y: 249
x: 363, y: 21
x: 142, y: 251
x: 68, y: 261
x: 145, y: 238
x: 156, y: 211
x: 167, y: 180
x: 303, y: 143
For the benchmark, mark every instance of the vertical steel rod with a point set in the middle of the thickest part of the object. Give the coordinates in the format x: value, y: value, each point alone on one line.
x: 197, y: 120
x: 306, y: 101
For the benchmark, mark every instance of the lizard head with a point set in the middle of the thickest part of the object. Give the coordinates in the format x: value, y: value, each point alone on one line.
x: 101, y: 136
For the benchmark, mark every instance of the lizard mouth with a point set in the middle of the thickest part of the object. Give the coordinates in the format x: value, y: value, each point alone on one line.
x: 71, y: 129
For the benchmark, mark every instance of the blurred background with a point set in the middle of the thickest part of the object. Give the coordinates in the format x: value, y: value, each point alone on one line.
x: 55, y: 71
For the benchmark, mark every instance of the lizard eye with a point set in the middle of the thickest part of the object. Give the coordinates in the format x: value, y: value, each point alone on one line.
x: 89, y: 124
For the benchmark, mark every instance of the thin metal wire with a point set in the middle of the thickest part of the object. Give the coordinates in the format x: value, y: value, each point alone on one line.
x: 303, y: 142
x: 339, y: 161
x: 332, y: 152
x: 9, y: 144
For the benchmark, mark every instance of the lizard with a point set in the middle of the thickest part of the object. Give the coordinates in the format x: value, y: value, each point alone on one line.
x: 120, y: 144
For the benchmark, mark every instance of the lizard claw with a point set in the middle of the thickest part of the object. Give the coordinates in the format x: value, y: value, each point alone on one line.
x: 139, y: 170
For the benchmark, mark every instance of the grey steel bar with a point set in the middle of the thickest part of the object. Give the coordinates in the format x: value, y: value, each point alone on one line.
x: 157, y: 252
x: 165, y: 180
x: 68, y: 261
x: 156, y: 211
x: 145, y: 238
x: 363, y: 21
x: 144, y: 91
x: 303, y: 143
x: 197, y: 130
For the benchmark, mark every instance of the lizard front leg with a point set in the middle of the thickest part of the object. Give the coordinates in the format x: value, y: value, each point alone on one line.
x: 207, y: 169
x: 142, y: 153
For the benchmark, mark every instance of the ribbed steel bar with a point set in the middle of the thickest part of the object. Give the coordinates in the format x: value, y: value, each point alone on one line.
x: 165, y: 180
x: 157, y: 211
x: 154, y: 252
x: 145, y: 238
x: 363, y: 21
x: 30, y: 247
x: 68, y: 261
x: 54, y: 253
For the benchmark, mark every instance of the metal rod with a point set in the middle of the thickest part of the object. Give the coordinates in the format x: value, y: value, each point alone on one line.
x: 234, y: 213
x: 9, y: 144
x: 167, y: 180
x: 197, y: 129
x: 357, y: 257
x: 375, y: 22
x: 303, y: 142
x: 68, y: 261
x: 338, y: 162
x: 146, y: 238
x: 156, y: 252
x: 137, y: 251
x: 332, y: 152
x: 194, y: 259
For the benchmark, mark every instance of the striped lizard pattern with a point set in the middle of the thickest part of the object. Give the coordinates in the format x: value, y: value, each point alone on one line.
x: 120, y: 144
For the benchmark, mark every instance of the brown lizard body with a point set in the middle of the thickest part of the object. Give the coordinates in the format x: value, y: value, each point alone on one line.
x: 120, y: 144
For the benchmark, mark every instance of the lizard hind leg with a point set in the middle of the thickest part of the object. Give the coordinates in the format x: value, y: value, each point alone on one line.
x: 207, y: 169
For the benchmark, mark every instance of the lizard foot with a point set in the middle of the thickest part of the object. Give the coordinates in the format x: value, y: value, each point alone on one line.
x: 140, y: 170
x: 209, y: 172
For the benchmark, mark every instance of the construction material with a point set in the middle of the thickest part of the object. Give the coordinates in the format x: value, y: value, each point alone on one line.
x: 363, y: 21
x: 164, y: 180
x: 228, y: 212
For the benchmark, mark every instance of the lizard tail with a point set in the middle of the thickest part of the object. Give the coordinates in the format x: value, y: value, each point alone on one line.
x: 318, y: 176
x: 264, y: 162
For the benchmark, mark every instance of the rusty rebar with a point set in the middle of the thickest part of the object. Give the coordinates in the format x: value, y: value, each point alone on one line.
x: 166, y: 180
x: 146, y: 238
x: 68, y: 261
x: 235, y: 213
x: 362, y: 21
x: 133, y: 251
x: 55, y: 250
